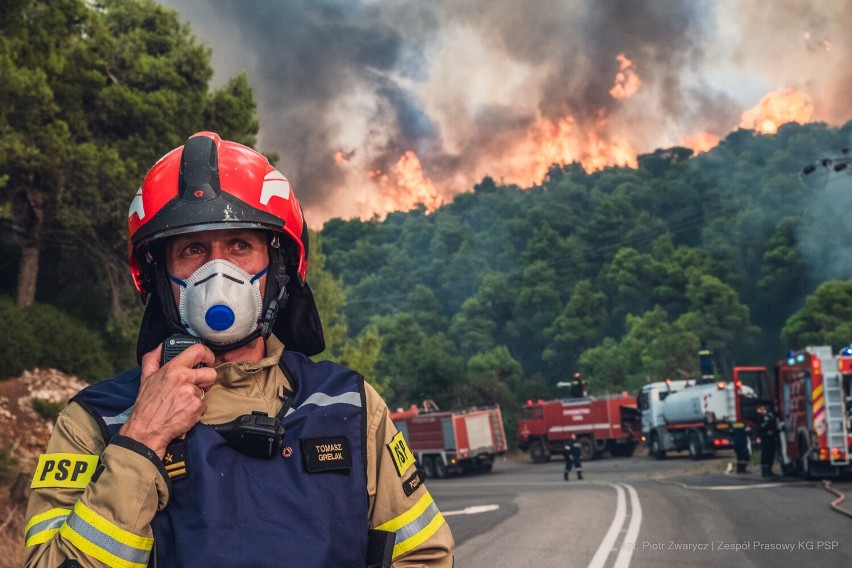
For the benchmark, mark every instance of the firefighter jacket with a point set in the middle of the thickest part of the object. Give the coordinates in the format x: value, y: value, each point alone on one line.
x: 343, y: 470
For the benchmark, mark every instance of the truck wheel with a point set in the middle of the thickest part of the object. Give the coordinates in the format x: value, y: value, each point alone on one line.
x: 440, y: 468
x: 429, y: 467
x: 696, y: 447
x: 587, y: 449
x: 622, y: 450
x: 655, y: 450
x: 538, y: 453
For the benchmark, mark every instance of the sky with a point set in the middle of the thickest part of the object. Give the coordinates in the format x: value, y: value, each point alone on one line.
x: 375, y: 106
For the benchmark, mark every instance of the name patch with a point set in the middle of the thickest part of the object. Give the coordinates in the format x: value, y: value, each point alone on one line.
x: 326, y: 454
x: 64, y: 470
x: 411, y: 484
x: 400, y: 454
x: 175, y: 460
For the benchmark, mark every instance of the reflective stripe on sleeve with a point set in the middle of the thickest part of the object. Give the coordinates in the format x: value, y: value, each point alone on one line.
x: 415, y: 526
x: 43, y: 526
x: 104, y: 541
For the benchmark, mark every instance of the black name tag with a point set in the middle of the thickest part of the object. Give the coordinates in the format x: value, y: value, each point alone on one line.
x: 411, y: 484
x: 326, y: 454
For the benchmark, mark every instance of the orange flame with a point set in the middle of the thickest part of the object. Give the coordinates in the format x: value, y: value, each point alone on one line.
x: 561, y: 142
x: 627, y: 82
x: 547, y: 142
x: 404, y: 187
x: 778, y: 107
x: 341, y: 157
x: 699, y: 143
x: 414, y: 185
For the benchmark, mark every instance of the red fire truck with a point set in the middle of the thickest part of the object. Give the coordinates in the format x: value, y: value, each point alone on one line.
x: 813, y: 391
x: 452, y: 441
x: 599, y: 424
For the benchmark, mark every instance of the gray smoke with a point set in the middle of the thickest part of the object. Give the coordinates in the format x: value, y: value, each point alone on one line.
x: 460, y: 83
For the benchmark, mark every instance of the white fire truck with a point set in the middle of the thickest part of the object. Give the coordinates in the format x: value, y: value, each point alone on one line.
x: 813, y: 392
x: 698, y: 416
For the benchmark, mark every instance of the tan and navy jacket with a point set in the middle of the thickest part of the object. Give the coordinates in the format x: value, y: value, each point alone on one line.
x: 114, y: 490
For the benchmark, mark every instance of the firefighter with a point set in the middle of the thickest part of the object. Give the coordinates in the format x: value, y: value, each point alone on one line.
x: 571, y: 453
x: 742, y: 446
x: 767, y: 430
x: 157, y: 465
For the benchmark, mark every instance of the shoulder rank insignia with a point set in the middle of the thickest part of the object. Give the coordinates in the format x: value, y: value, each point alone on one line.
x: 400, y: 454
x: 175, y: 460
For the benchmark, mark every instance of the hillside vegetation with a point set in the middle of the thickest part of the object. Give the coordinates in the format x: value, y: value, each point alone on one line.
x: 620, y: 274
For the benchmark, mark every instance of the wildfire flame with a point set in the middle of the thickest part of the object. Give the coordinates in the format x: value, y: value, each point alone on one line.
x: 778, y: 107
x: 341, y: 157
x: 627, y: 82
x: 403, y: 188
x: 413, y: 185
x: 561, y: 141
x: 699, y: 143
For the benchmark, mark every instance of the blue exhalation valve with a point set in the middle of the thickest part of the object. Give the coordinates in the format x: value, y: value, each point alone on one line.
x: 219, y: 317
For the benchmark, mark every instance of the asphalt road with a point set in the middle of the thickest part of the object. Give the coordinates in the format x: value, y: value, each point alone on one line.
x: 636, y: 512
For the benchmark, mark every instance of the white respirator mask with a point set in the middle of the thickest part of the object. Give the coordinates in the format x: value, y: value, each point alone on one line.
x: 220, y: 302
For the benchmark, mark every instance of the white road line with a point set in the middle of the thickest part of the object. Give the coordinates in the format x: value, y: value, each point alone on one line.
x: 599, y: 559
x: 473, y: 510
x: 628, y: 545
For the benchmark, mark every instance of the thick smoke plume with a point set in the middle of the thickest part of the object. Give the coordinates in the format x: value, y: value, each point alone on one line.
x: 378, y: 105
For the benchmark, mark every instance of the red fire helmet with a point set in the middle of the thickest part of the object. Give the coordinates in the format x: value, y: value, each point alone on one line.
x: 210, y: 183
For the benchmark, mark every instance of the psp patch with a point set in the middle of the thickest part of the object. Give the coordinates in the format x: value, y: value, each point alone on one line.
x: 174, y: 460
x: 411, y: 484
x: 400, y: 454
x: 326, y: 454
x: 64, y: 470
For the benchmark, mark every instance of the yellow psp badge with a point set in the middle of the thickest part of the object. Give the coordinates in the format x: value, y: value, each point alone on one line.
x: 64, y: 470
x: 400, y: 454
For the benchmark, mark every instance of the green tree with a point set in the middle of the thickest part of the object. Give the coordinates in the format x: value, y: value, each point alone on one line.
x: 40, y: 46
x: 93, y: 94
x: 416, y: 366
x: 631, y: 275
x: 717, y: 316
x: 330, y: 299
x: 825, y: 319
x: 478, y: 325
x: 652, y: 350
x: 575, y: 329
x: 538, y: 302
x: 494, y: 377
x: 362, y: 354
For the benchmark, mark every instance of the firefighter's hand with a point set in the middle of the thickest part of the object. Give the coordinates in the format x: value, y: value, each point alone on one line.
x: 169, y: 402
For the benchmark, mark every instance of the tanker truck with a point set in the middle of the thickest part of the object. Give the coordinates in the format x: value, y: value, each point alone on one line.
x: 698, y: 416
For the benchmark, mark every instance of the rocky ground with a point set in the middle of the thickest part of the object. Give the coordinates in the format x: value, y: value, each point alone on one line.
x: 23, y: 437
